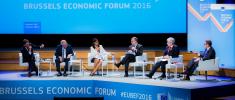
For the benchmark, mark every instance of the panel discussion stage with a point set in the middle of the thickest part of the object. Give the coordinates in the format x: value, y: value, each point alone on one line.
x: 117, y: 50
x: 15, y: 84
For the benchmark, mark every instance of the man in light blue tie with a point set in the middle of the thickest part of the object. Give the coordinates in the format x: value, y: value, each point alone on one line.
x: 63, y: 53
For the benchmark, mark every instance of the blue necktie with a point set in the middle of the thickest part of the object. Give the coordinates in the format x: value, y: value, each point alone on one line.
x: 205, y: 53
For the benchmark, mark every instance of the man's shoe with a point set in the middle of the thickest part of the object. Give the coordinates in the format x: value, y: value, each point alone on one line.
x: 59, y: 74
x: 117, y: 65
x: 65, y: 74
x: 149, y: 76
x: 126, y: 75
x: 162, y: 77
x: 187, y: 78
x: 29, y: 74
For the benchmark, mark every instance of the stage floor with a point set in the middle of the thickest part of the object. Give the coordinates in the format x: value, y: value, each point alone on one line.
x: 111, y: 87
x: 117, y: 76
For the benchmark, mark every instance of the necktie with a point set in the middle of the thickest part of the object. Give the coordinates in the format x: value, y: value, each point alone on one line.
x: 64, y: 53
x: 205, y: 53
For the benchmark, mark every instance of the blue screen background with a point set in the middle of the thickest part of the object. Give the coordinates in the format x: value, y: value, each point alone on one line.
x: 142, y: 16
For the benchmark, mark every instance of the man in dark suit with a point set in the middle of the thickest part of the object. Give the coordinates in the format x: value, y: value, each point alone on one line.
x: 171, y: 50
x: 63, y: 53
x: 28, y: 56
x: 134, y: 50
x: 208, y: 54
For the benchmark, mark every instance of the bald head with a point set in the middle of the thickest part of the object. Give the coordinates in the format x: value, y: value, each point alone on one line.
x: 134, y: 40
x: 64, y: 43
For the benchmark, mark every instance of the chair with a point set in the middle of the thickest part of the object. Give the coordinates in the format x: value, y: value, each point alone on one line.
x: 208, y: 65
x: 25, y: 64
x: 74, y: 61
x: 104, y: 64
x: 172, y: 63
x: 140, y: 62
x: 175, y: 63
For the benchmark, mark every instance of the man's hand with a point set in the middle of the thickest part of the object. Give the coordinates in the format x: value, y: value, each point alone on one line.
x: 69, y: 56
x: 166, y: 57
x: 42, y: 46
x: 133, y: 48
x: 198, y: 54
x: 197, y: 59
x: 61, y: 60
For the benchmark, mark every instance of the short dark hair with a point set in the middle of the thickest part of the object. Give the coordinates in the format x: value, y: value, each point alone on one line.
x: 209, y: 42
x: 25, y: 41
x: 135, y: 38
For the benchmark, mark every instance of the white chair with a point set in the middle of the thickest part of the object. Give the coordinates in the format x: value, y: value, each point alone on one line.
x: 25, y: 64
x: 175, y: 63
x: 140, y: 62
x: 172, y: 63
x: 74, y: 61
x: 104, y: 64
x: 208, y: 65
x: 63, y: 63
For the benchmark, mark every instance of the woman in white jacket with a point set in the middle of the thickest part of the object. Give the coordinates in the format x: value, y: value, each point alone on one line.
x: 98, y: 54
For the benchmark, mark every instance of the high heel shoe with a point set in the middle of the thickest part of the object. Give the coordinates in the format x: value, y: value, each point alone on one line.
x: 92, y: 74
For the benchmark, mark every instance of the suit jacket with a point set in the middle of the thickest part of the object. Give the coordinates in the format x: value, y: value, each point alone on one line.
x: 27, y: 57
x: 139, y: 49
x: 174, y: 52
x: 58, y: 51
x: 101, y: 54
x: 208, y: 54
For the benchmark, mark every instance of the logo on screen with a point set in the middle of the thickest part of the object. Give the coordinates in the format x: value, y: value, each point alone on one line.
x: 210, y: 16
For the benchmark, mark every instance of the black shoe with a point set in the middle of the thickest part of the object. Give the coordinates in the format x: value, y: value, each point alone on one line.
x: 65, y: 74
x: 117, y: 65
x: 29, y: 74
x: 149, y: 76
x: 187, y: 78
x: 126, y: 75
x: 162, y: 77
x: 59, y: 74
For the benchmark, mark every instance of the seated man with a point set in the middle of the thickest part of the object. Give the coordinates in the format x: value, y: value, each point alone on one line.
x: 28, y: 56
x: 208, y: 54
x: 63, y: 53
x: 135, y: 49
x: 171, y: 50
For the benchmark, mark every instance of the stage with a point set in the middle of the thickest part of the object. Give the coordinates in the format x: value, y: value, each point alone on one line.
x: 15, y: 85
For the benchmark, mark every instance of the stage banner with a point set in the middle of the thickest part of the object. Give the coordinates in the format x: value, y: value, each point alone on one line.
x: 222, y: 30
x: 48, y: 89
x: 208, y: 20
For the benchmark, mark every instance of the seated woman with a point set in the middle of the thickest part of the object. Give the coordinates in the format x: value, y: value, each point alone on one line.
x: 98, y: 54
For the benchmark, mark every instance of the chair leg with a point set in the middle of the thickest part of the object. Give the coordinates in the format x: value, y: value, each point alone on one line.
x: 166, y: 73
x: 70, y: 67
x: 134, y: 70
x: 38, y: 69
x: 175, y: 76
x: 107, y: 70
x: 143, y: 71
x: 102, y: 71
